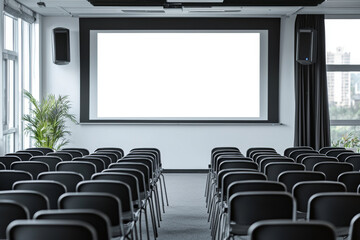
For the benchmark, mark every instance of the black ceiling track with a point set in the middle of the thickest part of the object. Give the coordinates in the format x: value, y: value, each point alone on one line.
x: 228, y: 3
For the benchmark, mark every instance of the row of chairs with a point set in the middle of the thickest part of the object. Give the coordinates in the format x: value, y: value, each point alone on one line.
x: 239, y: 192
x: 120, y: 187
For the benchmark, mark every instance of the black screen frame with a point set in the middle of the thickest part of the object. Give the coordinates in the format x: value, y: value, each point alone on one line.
x: 270, y: 24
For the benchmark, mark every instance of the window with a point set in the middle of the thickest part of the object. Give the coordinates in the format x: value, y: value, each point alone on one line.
x: 343, y: 75
x: 19, y: 65
x: 179, y: 70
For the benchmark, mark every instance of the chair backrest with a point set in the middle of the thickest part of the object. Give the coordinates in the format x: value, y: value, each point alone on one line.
x: 333, y: 169
x: 107, y: 160
x: 86, y: 169
x: 147, y: 162
x: 9, y: 177
x: 342, y: 156
x: 111, y: 148
x: 84, y: 151
x: 103, y: 202
x: 268, y: 160
x: 2, y: 166
x: 51, y: 161
x: 355, y: 161
x: 74, y: 153
x: 218, y: 154
x: 100, y: 165
x: 32, y: 167
x: 95, y: 218
x: 132, y: 165
x: 51, y: 189
x: 221, y: 174
x: 302, y: 191
x: 257, y: 157
x: 311, y: 161
x: 259, y: 149
x: 231, y: 177
x: 285, y: 229
x: 238, y: 164
x: 123, y: 177
x: 51, y: 229
x: 63, y: 155
x: 354, y: 231
x: 324, y: 150
x: 135, y: 172
x: 294, y: 154
x: 288, y: 150
x: 336, y: 208
x: 43, y: 149
x: 32, y: 200
x: 119, y: 189
x: 22, y: 156
x: 8, y: 160
x: 69, y: 179
x: 254, y: 186
x: 290, y: 178
x: 273, y: 170
x: 116, y: 152
x: 337, y: 152
x: 32, y: 152
x: 300, y: 157
x: 10, y: 211
x: 223, y: 158
x: 111, y: 155
x: 246, y: 208
x: 351, y: 180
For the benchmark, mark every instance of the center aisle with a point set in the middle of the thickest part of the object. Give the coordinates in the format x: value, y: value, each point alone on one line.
x: 186, y: 217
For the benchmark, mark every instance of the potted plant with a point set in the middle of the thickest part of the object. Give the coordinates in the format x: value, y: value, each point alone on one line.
x: 46, y: 122
x: 349, y: 141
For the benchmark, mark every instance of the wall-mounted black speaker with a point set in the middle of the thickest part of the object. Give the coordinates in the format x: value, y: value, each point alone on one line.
x: 306, y: 46
x: 61, y: 46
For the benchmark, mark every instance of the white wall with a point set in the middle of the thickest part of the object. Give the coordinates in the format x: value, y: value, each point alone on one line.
x: 182, y: 146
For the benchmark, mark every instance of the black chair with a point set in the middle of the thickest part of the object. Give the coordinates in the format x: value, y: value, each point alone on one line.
x: 42, y: 149
x: 111, y: 155
x: 84, y: 151
x: 337, y: 152
x: 32, y: 152
x: 69, y: 179
x: 117, y: 153
x: 324, y: 150
x: 50, y: 229
x: 302, y: 191
x: 290, y: 178
x: 268, y: 160
x: 2, y: 166
x: 302, y: 156
x: 288, y: 150
x: 355, y: 161
x: 333, y: 169
x: 238, y: 164
x: 51, y: 189
x: 9, y: 177
x: 97, y: 219
x: 86, y: 169
x: 342, y: 156
x: 10, y: 211
x: 8, y: 160
x: 111, y: 148
x: 51, y: 161
x: 32, y: 200
x: 246, y: 208
x: 107, y: 160
x: 354, y: 231
x: 73, y: 153
x: 336, y: 208
x: 311, y: 161
x: 273, y: 170
x: 294, y: 154
x: 32, y: 167
x: 103, y: 202
x: 63, y: 155
x: 351, y: 180
x: 257, y: 157
x: 286, y: 230
x: 100, y: 165
x: 259, y: 149
x: 22, y: 156
x: 223, y: 158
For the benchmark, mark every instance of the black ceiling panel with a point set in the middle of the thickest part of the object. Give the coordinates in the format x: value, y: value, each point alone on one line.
x: 224, y: 3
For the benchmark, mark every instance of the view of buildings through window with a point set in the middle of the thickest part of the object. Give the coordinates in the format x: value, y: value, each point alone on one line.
x: 343, y: 76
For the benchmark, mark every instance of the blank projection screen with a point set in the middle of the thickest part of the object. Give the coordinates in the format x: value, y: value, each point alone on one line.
x: 178, y: 75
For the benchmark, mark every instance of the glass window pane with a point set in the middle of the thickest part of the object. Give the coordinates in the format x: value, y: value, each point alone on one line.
x: 9, y: 143
x: 342, y: 41
x: 11, y: 109
x: 344, y: 95
x: 338, y: 132
x: 9, y: 33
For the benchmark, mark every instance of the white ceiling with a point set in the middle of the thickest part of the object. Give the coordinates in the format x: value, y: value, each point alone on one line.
x: 82, y: 8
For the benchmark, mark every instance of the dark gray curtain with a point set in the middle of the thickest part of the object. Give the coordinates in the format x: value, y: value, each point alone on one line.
x: 312, y: 123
